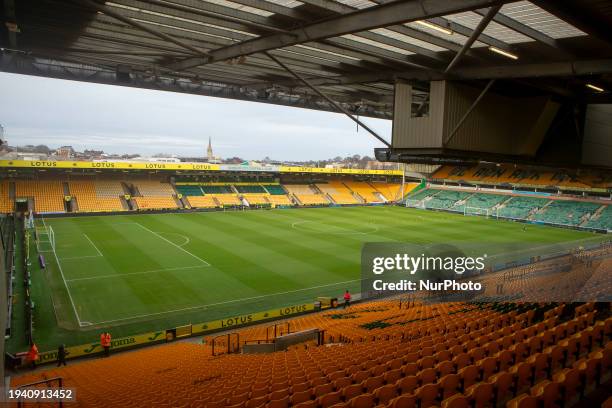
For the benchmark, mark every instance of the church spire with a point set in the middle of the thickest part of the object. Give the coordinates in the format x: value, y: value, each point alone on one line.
x: 209, y: 151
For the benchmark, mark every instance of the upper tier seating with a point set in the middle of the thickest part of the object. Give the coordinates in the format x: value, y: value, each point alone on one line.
x: 366, y: 191
x: 6, y: 205
x: 510, y: 174
x: 48, y: 194
x: 154, y: 188
x: 88, y: 199
x: 226, y: 189
x: 603, y: 220
x: 189, y: 190
x: 251, y: 188
x: 425, y: 355
x: 338, y: 192
x: 566, y: 212
x: 201, y: 201
x: 520, y: 207
x: 275, y: 189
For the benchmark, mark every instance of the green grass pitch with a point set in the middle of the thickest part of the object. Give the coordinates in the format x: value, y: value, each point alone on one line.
x: 135, y: 273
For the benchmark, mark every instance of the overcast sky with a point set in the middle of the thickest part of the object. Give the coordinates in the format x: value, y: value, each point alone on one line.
x: 125, y: 120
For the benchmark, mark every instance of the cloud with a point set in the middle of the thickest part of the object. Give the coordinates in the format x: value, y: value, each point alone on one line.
x: 117, y: 119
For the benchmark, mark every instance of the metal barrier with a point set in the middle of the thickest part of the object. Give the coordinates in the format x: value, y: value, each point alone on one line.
x: 48, y: 381
x: 232, y: 342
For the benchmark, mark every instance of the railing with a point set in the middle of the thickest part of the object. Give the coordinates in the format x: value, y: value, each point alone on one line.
x: 232, y: 346
x: 48, y: 382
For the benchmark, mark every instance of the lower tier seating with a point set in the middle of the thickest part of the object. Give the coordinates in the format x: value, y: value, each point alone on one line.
x: 278, y: 199
x: 521, y: 207
x: 6, y: 205
x: 207, y: 201
x: 449, y: 355
x: 48, y: 195
x: 256, y: 199
x: 365, y: 191
x: 602, y: 220
x: 155, y: 203
x: 88, y: 200
x: 275, y: 189
x: 566, y: 212
x: 227, y: 199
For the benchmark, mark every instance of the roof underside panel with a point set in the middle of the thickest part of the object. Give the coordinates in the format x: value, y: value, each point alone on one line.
x: 353, y: 49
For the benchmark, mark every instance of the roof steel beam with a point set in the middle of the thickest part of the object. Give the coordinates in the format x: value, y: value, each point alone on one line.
x: 482, y: 24
x: 362, y: 20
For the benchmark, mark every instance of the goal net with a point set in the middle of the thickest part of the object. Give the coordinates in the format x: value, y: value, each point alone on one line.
x: 486, y: 212
x: 415, y: 203
x: 45, y: 238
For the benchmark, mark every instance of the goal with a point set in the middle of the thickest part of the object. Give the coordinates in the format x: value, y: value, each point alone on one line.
x: 415, y: 203
x: 45, y: 239
x: 486, y: 212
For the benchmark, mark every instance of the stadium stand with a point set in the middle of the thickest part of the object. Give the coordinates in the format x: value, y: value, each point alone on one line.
x: 448, y: 355
x: 202, y: 201
x: 250, y: 189
x: 256, y: 199
x: 601, y: 219
x: 521, y: 207
x: 154, y: 195
x: 392, y: 192
x: 446, y: 199
x: 223, y: 189
x: 188, y: 190
x: 511, y: 174
x: 338, y: 192
x: 94, y: 196
x: 306, y: 195
x: 566, y: 212
x: 366, y: 191
x: 484, y: 201
x: 274, y: 189
x: 48, y: 195
x: 6, y: 204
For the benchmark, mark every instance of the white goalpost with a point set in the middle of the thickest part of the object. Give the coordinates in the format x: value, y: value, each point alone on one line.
x: 415, y: 203
x: 45, y: 238
x: 486, y: 212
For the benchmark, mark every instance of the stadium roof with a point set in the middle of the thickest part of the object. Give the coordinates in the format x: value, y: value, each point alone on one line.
x: 351, y: 50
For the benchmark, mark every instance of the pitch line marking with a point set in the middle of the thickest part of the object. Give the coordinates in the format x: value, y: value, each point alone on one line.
x: 94, y: 245
x: 348, y: 231
x: 119, y: 275
x: 173, y: 244
x: 221, y: 303
x: 187, y: 240
x: 59, y: 265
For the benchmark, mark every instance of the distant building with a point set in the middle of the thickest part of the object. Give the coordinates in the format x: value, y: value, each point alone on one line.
x: 65, y: 152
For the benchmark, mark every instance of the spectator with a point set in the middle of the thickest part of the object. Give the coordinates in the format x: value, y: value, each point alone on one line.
x: 105, y: 342
x: 61, y: 355
x: 347, y: 299
x: 33, y: 355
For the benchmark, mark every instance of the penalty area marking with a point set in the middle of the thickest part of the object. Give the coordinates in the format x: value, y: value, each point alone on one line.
x: 187, y: 240
x: 173, y: 244
x: 119, y: 275
x: 347, y: 231
x: 219, y: 303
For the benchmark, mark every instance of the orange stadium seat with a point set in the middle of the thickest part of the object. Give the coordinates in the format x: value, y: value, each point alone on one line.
x: 48, y: 195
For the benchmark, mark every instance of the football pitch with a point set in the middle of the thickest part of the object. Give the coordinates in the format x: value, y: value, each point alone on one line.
x: 134, y: 273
